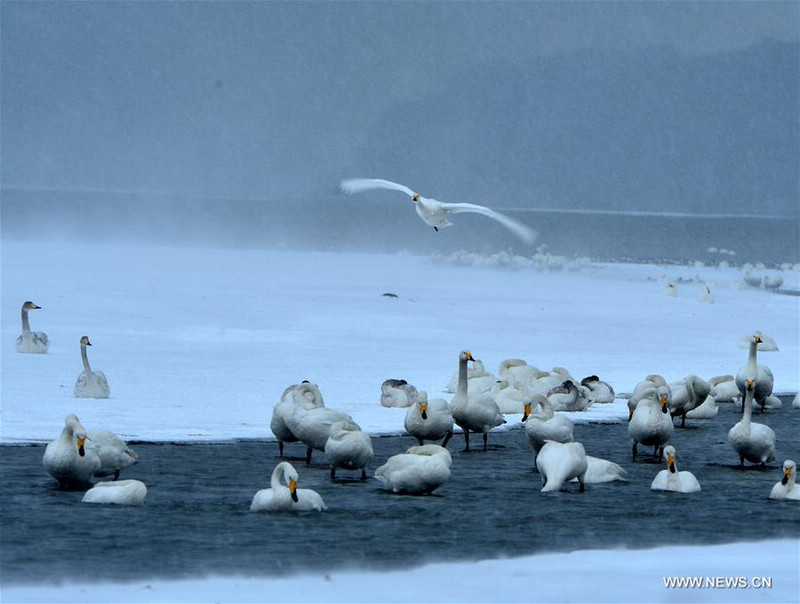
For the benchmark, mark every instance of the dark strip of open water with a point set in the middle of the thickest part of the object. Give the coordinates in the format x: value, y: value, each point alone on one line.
x: 196, y: 518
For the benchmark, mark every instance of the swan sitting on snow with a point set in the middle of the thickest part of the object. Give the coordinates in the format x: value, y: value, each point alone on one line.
x: 561, y: 462
x: 305, y: 395
x: 286, y: 497
x: 478, y: 379
x: 752, y: 441
x: 651, y: 423
x: 518, y: 372
x: 66, y: 458
x: 435, y: 213
x: 600, y: 392
x: 29, y: 341
x: 724, y: 388
x: 510, y: 398
x: 761, y: 374
x: 122, y: 492
x: 473, y: 412
x: 429, y: 420
x: 418, y: 471
x: 673, y: 480
x: 708, y: 410
x: 786, y: 488
x: 568, y: 397
x: 349, y: 448
x: 398, y: 393
x: 544, y: 425
x: 90, y: 384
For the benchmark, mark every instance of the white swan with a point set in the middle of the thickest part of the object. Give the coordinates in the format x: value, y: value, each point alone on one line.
x: 115, y: 455
x: 708, y: 410
x: 724, y: 388
x: 510, y: 398
x: 643, y: 388
x: 567, y: 397
x: 35, y: 342
x: 429, y: 420
x: 120, y: 492
x: 66, y: 458
x: 476, y: 413
x: 786, y: 488
x: 305, y: 395
x: 435, y: 213
x: 418, y: 471
x: 706, y: 295
x: 398, y: 393
x: 752, y: 441
x: 90, y: 384
x: 599, y: 471
x: 687, y: 394
x: 517, y: 371
x: 561, y: 462
x: 312, y: 426
x: 478, y: 378
x: 760, y: 374
x: 349, y: 448
x: 286, y: 498
x: 544, y: 425
x: 673, y: 480
x: 600, y: 392
x: 651, y: 423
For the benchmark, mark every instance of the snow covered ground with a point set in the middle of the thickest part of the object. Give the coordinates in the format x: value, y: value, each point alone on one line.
x: 198, y: 344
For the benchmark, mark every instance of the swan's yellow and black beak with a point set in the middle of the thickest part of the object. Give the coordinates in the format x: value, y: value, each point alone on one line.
x: 630, y: 413
x: 749, y: 384
x: 293, y: 489
x: 758, y: 339
x: 786, y: 473
x: 423, y: 410
x: 469, y: 356
x: 415, y: 197
x: 526, y: 411
x: 663, y: 404
x: 36, y: 307
x: 671, y: 463
x: 81, y: 450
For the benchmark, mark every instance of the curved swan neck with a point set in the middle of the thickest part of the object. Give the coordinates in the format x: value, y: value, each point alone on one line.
x: 86, y: 367
x: 547, y: 410
x: 275, y: 481
x: 26, y: 326
x: 462, y: 376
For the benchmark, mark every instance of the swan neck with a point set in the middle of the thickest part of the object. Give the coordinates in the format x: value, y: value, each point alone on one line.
x: 275, y: 481
x: 462, y: 376
x: 26, y: 326
x: 751, y: 358
x: 86, y: 367
x: 747, y: 410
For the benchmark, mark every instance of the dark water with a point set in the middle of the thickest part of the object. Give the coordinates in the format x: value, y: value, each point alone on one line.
x: 196, y: 518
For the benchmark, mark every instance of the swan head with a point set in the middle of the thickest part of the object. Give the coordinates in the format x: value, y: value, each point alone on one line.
x: 290, y: 476
x: 526, y: 410
x: 466, y: 355
x: 789, y: 469
x: 415, y: 198
x: 85, y: 341
x: 669, y: 456
x: 750, y: 384
x: 28, y: 305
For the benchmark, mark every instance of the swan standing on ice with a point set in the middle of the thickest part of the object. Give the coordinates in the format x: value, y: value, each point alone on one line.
x: 286, y: 498
x: 434, y: 213
x: 752, y: 441
x: 561, y: 462
x: 122, y: 492
x: 429, y: 420
x: 651, y: 423
x: 312, y: 426
x: 349, y: 448
x: 477, y: 412
x: 673, y: 480
x: 90, y: 384
x: 478, y: 379
x: 761, y: 374
x: 419, y: 471
x: 66, y: 458
x: 688, y: 394
x: 544, y: 425
x: 305, y: 395
x: 786, y: 488
x: 35, y: 342
x: 398, y: 393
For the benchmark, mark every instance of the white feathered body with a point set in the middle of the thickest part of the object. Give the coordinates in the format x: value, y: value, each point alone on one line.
x: 34, y: 342
x: 561, y: 462
x: 438, y: 420
x: 420, y: 470
x: 348, y: 447
x: 119, y: 492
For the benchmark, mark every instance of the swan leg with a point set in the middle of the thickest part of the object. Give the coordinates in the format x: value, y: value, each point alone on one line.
x: 485, y: 442
x: 466, y: 438
x: 581, y: 487
x: 633, y: 453
x: 308, y: 456
x: 447, y: 438
x: 420, y: 441
x: 333, y: 472
x: 116, y: 475
x: 363, y: 473
x: 280, y: 448
x: 683, y: 420
x: 741, y: 461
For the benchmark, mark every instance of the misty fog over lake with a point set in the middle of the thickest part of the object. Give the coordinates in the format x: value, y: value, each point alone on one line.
x: 233, y: 123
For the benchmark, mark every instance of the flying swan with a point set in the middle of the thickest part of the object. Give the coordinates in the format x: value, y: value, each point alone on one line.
x: 434, y: 213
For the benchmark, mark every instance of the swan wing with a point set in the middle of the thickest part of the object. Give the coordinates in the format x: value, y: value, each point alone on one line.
x: 356, y: 185
x: 522, y: 231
